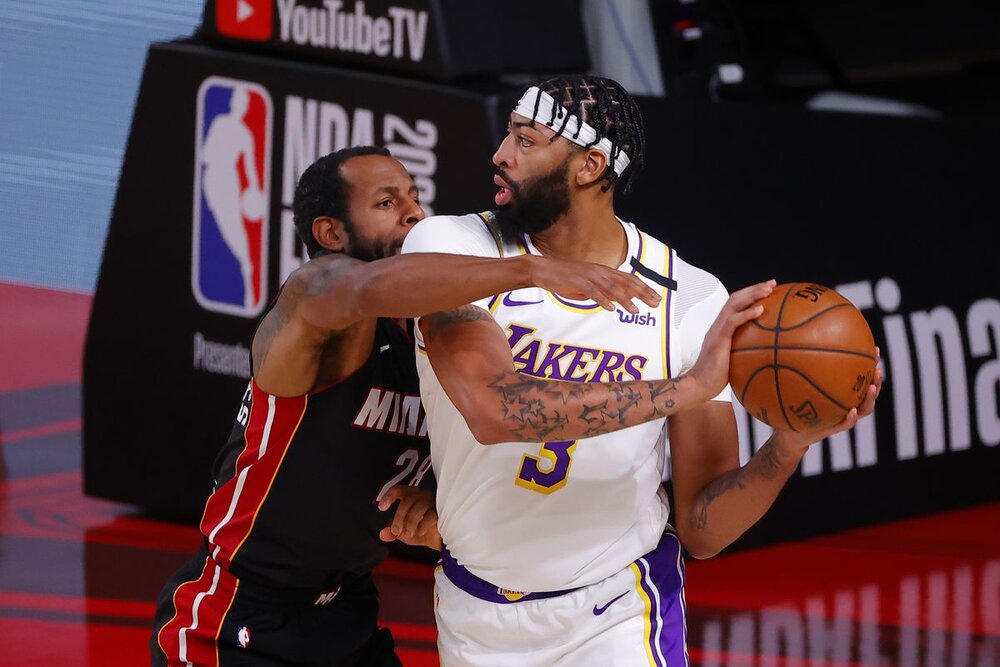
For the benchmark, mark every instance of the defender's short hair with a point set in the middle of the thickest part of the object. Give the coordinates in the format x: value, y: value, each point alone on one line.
x: 322, y: 191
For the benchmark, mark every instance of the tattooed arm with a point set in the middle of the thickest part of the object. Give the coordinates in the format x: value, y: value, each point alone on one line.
x: 716, y: 500
x: 472, y: 360
x: 328, y: 306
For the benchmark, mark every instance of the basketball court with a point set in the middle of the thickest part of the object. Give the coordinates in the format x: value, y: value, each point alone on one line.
x: 78, y: 575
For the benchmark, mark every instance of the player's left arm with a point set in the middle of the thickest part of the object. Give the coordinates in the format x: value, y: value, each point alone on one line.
x: 472, y: 360
x: 715, y: 499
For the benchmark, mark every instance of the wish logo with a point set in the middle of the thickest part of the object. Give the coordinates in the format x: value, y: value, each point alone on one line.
x: 245, y: 19
x: 639, y: 319
x: 231, y: 196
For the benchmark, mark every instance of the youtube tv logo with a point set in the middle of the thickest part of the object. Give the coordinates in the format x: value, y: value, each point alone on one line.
x: 245, y: 19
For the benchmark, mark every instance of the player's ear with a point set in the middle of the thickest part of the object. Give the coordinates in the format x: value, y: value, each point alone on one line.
x: 331, y: 233
x: 592, y: 169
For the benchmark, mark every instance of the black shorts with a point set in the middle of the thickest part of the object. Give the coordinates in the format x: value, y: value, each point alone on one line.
x: 206, y: 616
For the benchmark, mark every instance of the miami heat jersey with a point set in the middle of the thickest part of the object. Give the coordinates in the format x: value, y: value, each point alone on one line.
x: 294, y: 500
x: 557, y: 515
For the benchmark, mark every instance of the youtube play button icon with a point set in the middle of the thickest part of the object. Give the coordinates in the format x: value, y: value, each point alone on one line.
x: 245, y: 19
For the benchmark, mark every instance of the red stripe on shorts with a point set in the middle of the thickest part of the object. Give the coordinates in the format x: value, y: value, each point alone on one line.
x: 200, y: 606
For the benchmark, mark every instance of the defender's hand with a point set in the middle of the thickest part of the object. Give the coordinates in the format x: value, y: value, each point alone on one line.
x: 415, y: 522
x: 586, y: 280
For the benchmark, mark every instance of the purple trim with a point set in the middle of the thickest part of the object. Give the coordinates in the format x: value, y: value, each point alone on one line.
x: 663, y: 581
x: 482, y: 589
x: 635, y: 256
x: 526, y: 245
x: 656, y: 609
x: 574, y: 305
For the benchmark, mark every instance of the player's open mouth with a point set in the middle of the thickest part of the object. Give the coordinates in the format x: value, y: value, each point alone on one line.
x: 504, y: 194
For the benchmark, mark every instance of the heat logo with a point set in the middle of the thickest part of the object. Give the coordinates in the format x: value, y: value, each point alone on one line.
x: 245, y: 19
x: 231, y: 196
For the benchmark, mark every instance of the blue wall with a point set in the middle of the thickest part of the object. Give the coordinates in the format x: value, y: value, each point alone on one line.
x: 69, y: 75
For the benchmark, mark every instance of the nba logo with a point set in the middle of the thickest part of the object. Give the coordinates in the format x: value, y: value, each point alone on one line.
x: 231, y: 196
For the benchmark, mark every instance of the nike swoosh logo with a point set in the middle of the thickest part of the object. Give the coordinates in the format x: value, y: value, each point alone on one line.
x: 600, y: 610
x: 511, y: 303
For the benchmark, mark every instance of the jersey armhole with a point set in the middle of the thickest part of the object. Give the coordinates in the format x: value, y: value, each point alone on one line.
x: 488, y: 220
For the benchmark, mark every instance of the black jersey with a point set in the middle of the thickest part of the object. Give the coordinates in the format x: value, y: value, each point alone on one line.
x: 295, y: 500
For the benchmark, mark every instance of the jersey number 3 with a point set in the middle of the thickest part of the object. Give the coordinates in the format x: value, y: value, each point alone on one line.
x: 548, y: 471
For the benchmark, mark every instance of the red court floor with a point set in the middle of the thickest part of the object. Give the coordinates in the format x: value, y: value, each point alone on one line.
x: 78, y: 575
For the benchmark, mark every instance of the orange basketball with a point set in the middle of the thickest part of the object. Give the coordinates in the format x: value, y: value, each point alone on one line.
x: 806, y: 361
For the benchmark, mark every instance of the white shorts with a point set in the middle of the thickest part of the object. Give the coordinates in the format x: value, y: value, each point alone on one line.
x: 635, y: 617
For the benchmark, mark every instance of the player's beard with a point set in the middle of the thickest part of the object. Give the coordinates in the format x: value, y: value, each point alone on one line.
x: 536, y: 202
x: 368, y: 250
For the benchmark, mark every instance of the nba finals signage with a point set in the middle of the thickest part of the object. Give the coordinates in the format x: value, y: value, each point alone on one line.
x: 837, y: 202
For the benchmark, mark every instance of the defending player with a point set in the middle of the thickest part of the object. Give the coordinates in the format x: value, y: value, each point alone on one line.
x: 331, y: 433
x: 557, y: 547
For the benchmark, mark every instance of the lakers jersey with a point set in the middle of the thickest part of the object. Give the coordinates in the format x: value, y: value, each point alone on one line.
x: 557, y: 515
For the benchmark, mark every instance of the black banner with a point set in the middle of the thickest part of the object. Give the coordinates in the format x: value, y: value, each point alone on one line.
x: 895, y: 214
x: 440, y: 40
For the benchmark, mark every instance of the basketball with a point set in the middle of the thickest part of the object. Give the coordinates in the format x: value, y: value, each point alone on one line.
x: 806, y: 361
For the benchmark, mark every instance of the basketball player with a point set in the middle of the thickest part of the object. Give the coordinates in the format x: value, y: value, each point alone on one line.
x: 330, y: 432
x: 557, y: 547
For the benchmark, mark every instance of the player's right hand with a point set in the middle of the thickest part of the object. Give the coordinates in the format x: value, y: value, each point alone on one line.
x: 795, y: 440
x: 415, y: 520
x: 711, y: 370
x: 587, y: 280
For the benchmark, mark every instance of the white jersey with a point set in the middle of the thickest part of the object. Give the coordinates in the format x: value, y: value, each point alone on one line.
x: 559, y: 515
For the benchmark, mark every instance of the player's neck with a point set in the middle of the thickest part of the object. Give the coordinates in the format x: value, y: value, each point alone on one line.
x: 585, y: 234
